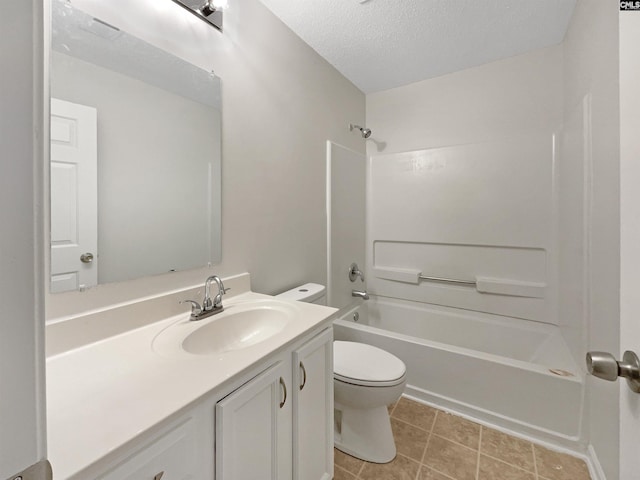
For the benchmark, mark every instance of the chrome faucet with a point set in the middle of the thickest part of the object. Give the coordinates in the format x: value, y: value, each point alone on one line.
x: 209, y: 306
x: 207, y: 303
x: 360, y: 294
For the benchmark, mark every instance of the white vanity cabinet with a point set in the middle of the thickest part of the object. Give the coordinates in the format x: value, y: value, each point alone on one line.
x: 271, y: 420
x: 253, y: 428
x: 279, y: 426
x: 313, y: 409
x: 171, y: 456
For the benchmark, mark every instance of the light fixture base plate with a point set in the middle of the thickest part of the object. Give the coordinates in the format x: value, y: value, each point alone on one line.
x: 215, y: 19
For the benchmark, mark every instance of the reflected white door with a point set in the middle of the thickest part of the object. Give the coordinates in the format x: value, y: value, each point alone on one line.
x: 74, y: 196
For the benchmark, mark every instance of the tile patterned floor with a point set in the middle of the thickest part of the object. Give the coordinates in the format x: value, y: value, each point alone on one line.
x: 434, y: 445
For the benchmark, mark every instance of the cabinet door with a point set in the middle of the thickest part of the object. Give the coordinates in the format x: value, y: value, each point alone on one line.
x: 253, y: 428
x: 313, y: 409
x: 171, y: 456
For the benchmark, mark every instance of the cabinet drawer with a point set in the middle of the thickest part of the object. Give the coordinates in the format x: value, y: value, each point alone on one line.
x: 172, y: 456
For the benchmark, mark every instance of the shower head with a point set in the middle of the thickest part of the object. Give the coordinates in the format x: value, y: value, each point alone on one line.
x: 366, y: 132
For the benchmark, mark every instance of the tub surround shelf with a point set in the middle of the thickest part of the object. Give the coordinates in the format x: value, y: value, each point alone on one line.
x: 496, y: 286
x: 102, y: 395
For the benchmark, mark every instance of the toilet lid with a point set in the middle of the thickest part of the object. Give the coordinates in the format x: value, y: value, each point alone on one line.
x: 361, y: 363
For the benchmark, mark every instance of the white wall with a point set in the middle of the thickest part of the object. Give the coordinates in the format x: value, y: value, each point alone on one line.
x: 22, y: 437
x: 281, y: 102
x: 630, y: 232
x: 347, y: 215
x: 153, y: 193
x: 589, y: 223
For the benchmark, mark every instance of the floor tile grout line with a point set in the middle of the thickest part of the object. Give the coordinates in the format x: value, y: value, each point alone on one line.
x: 501, y: 460
x: 479, y: 450
x: 424, y: 454
x: 433, y: 422
x: 411, y: 424
x: 393, y: 415
x: 364, y: 462
x: 456, y: 443
x: 438, y: 471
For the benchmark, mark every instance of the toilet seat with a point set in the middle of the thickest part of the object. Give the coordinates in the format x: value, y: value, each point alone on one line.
x: 361, y: 364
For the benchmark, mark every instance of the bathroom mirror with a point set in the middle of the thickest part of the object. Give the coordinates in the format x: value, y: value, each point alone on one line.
x: 135, y: 156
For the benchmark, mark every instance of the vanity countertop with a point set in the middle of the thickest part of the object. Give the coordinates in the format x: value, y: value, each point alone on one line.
x: 103, y: 394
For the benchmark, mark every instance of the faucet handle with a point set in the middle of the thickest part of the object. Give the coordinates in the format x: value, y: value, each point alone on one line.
x: 354, y: 272
x: 196, y: 309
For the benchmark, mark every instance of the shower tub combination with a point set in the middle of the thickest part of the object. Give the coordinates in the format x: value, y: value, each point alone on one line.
x: 513, y: 374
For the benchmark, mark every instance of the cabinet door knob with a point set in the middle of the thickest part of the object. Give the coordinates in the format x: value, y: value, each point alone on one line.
x: 158, y: 476
x: 304, y: 376
x: 284, y: 390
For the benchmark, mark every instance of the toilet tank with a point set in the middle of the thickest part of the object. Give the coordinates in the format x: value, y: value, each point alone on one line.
x: 309, y: 292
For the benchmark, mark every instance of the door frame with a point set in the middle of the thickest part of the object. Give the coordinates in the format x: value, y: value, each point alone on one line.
x: 22, y: 293
x: 629, y: 233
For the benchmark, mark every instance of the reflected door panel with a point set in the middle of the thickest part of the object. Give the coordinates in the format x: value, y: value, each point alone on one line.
x: 74, y: 214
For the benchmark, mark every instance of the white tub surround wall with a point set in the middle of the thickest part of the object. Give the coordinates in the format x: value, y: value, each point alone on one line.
x: 142, y: 385
x: 589, y: 217
x: 461, y: 186
x: 273, y: 213
x: 480, y: 213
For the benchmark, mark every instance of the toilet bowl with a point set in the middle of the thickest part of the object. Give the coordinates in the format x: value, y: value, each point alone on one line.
x: 366, y: 380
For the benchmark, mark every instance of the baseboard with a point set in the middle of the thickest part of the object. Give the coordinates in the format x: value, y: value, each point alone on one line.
x: 595, y: 469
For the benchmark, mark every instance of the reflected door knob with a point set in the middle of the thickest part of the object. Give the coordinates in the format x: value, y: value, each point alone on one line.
x: 604, y: 365
x: 86, y: 257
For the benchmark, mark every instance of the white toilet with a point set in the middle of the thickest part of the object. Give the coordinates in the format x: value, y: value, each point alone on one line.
x: 366, y: 379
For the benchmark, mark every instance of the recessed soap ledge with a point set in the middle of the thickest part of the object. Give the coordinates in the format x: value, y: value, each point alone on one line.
x: 110, y: 390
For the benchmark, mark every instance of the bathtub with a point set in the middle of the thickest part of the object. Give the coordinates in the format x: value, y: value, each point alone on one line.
x: 510, y: 373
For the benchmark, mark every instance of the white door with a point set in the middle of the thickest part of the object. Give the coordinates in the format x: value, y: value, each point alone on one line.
x: 74, y: 196
x: 253, y: 429
x: 629, y: 235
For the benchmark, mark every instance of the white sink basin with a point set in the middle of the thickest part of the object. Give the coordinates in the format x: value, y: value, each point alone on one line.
x: 240, y: 326
x: 236, y: 330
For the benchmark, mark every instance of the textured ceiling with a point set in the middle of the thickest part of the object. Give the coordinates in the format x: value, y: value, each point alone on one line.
x: 381, y: 44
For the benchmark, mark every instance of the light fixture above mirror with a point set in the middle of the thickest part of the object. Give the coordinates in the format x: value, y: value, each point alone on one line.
x: 208, y: 10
